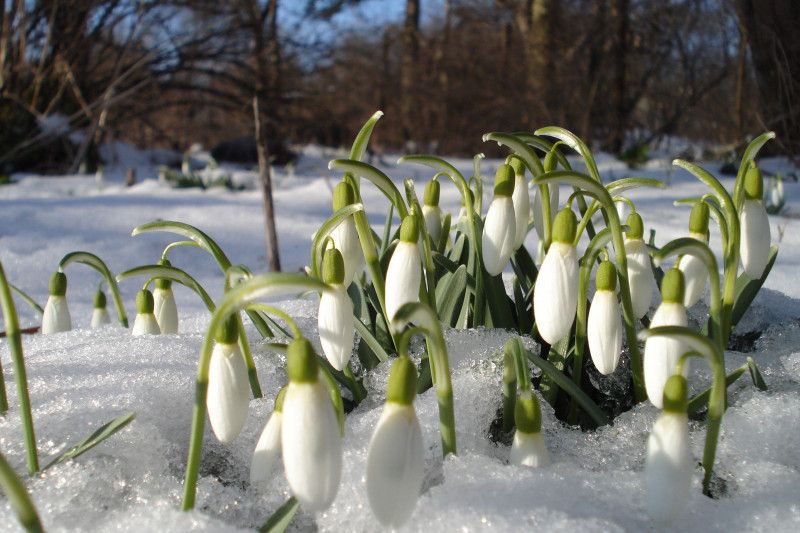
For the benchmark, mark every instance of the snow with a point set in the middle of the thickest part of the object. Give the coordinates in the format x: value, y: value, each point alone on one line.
x: 133, y: 481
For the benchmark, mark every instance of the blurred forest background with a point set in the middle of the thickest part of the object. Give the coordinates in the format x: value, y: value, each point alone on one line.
x: 168, y: 73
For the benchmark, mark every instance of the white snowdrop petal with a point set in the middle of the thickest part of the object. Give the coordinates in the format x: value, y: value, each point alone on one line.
x: 403, y: 277
x: 499, y: 231
x: 336, y: 326
x: 165, y: 310
x: 56, y: 317
x: 695, y: 275
x: 345, y: 239
x: 267, y: 452
x: 755, y: 238
x: 145, y: 324
x: 395, y: 465
x: 311, y: 445
x: 433, y: 221
x: 100, y: 317
x: 661, y: 354
x: 669, y: 466
x: 555, y: 295
x: 640, y: 276
x: 529, y: 449
x: 604, y: 331
x: 228, y: 392
x: 522, y: 209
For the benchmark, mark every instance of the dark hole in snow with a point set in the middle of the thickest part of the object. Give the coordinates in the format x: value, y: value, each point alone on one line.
x: 744, y: 342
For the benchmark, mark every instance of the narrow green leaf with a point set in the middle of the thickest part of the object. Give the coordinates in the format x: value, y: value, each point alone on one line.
x: 755, y: 375
x: 498, y: 302
x: 747, y: 289
x: 27, y: 299
x: 325, y: 230
x: 171, y: 273
x: 102, y: 433
x: 18, y: 498
x: 574, y: 142
x: 377, y: 177
x: 281, y: 518
x: 387, y: 228
x: 190, y: 232
x: 367, y: 336
x: 449, y: 294
x: 626, y: 184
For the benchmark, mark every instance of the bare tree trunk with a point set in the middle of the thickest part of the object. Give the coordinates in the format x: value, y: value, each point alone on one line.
x: 741, y: 61
x: 409, y: 67
x: 534, y: 20
x: 619, y: 14
x: 444, y: 81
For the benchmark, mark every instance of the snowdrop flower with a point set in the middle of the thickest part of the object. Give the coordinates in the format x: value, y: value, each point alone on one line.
x: 431, y: 211
x: 99, y: 313
x: 499, y: 228
x: 669, y: 465
x: 405, y: 272
x: 462, y: 221
x: 227, y: 396
x: 345, y: 235
x: 268, y: 448
x: 776, y: 196
x: 396, y: 457
x: 661, y: 354
x: 528, y: 447
x: 555, y: 295
x: 694, y: 270
x: 56, y: 316
x: 335, y: 317
x: 310, y: 440
x: 522, y: 202
x: 145, y: 322
x: 640, y: 271
x: 166, y: 310
x: 755, y: 233
x: 604, y: 327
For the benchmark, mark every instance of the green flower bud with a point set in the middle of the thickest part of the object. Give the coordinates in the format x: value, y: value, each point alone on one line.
x: 301, y: 362
x: 432, y: 193
x: 550, y: 161
x: 58, y: 284
x: 343, y: 195
x: 228, y: 332
x: 333, y: 267
x: 409, y: 230
x: 606, y: 278
x: 504, y: 181
x: 144, y: 302
x: 516, y: 164
x: 673, y: 286
x: 162, y: 283
x: 99, y: 299
x: 676, y: 394
x: 698, y: 219
x: 402, y: 387
x: 564, y: 226
x: 753, y: 183
x: 636, y: 226
x: 527, y: 415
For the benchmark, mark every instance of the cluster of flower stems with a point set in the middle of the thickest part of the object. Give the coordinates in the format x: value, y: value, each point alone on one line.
x: 431, y: 273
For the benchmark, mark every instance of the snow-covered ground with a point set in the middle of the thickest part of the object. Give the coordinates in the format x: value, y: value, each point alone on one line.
x: 133, y: 481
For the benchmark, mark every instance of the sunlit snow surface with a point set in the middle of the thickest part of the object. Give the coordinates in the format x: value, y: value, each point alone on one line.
x: 133, y: 481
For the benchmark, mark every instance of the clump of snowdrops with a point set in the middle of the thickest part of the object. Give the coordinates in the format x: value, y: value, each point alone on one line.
x: 429, y: 271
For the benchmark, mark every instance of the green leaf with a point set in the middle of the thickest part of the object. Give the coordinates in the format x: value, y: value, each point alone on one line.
x: 498, y: 302
x: 18, y: 498
x: 281, y: 518
x: 574, y: 142
x: 27, y: 299
x: 325, y: 230
x: 626, y: 184
x: 449, y: 294
x: 452, y: 267
x: 747, y: 289
x: 755, y: 375
x: 171, y: 273
x: 190, y: 232
x: 381, y: 180
x: 102, y: 433
x: 367, y: 336
x: 387, y: 229
x: 361, y: 141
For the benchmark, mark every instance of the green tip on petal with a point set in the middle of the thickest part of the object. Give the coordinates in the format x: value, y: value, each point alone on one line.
x: 279, y: 400
x: 606, y: 276
x: 527, y: 415
x: 343, y: 195
x: 550, y: 161
x: 509, y: 371
x: 636, y: 226
x: 564, y: 226
x: 228, y: 331
x: 432, y: 193
x: 162, y: 283
x: 402, y: 387
x: 517, y: 164
x: 99, y: 299
x: 753, y: 183
x: 58, y: 284
x: 333, y: 267
x: 673, y: 286
x: 409, y: 229
x: 676, y: 394
x: 144, y: 302
x: 301, y: 362
x: 698, y: 219
x: 504, y: 181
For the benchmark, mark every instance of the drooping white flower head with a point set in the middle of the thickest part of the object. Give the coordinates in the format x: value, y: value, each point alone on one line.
x: 228, y: 386
x: 99, y: 313
x: 268, y: 448
x: 345, y: 235
x: 431, y: 211
x: 694, y: 270
x: 522, y: 201
x: 604, y: 326
x: 669, y: 465
x: 165, y: 308
x: 335, y: 317
x: 640, y: 271
x: 405, y: 270
x: 396, y: 460
x: 56, y: 317
x: 528, y: 447
x: 310, y: 440
x: 661, y: 354
x: 145, y: 322
x: 776, y: 195
x: 754, y: 225
x: 499, y: 228
x: 555, y: 295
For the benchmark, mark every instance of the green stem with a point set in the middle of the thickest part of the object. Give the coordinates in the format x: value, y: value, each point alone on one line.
x: 95, y: 262
x: 18, y: 498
